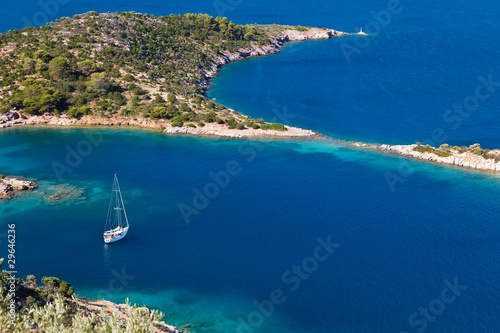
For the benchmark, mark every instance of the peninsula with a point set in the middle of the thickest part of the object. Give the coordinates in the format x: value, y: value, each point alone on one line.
x: 131, y: 69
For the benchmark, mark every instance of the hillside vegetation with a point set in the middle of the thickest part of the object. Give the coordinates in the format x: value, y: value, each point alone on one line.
x: 126, y: 64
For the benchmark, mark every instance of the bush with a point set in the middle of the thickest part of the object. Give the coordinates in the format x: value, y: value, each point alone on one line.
x: 424, y: 149
x: 177, y: 122
x: 59, y: 68
x: 128, y: 78
x: 51, y: 281
x: 37, y: 98
x: 98, y: 84
x: 442, y: 153
x: 159, y: 112
x: 78, y: 112
x: 65, y: 289
x: 273, y: 126
x: 171, y: 98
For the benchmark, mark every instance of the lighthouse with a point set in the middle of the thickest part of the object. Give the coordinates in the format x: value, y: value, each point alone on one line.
x: 361, y: 32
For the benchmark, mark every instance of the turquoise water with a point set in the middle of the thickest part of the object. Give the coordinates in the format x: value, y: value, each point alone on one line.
x: 396, y: 248
x: 401, y: 227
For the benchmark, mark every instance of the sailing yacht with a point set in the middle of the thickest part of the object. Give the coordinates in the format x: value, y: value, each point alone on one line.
x: 116, y: 222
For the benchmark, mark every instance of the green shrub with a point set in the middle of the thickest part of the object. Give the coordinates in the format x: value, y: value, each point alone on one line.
x: 51, y: 281
x: 128, y: 78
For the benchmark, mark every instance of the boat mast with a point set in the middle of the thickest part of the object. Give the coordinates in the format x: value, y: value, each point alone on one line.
x: 122, y: 205
x: 109, y: 218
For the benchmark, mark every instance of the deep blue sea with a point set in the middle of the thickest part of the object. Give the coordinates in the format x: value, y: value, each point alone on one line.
x: 414, y: 247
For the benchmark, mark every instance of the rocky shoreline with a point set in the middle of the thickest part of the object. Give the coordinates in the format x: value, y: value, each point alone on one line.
x: 124, y: 311
x: 223, y: 131
x: 10, y: 185
x: 289, y: 35
x: 465, y: 159
x: 211, y: 129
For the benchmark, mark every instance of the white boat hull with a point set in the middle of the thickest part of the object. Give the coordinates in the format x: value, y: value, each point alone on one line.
x: 115, y: 235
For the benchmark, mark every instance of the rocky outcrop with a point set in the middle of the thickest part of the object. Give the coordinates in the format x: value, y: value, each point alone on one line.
x: 20, y: 184
x: 293, y: 35
x: 466, y: 159
x: 123, y: 310
x: 10, y: 118
x: 9, y: 185
x: 6, y: 191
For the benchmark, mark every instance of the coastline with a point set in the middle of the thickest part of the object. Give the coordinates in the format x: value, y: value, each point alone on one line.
x: 466, y: 159
x: 288, y: 35
x: 280, y: 37
x: 210, y: 129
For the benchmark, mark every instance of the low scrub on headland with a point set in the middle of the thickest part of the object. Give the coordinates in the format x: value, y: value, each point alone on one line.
x: 446, y: 150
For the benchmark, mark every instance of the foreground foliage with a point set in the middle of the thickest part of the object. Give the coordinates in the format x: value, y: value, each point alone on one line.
x: 54, y: 308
